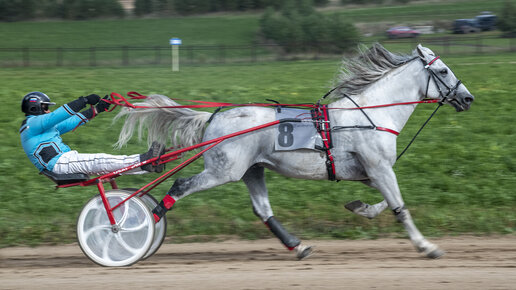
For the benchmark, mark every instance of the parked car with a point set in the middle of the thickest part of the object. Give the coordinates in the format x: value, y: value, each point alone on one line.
x: 483, y: 22
x: 465, y: 26
x: 486, y: 21
x: 402, y: 32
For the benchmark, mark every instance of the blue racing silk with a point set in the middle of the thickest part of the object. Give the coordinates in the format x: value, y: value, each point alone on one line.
x: 41, y: 135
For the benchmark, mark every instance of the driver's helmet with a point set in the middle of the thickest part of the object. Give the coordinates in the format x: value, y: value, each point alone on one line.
x: 35, y: 103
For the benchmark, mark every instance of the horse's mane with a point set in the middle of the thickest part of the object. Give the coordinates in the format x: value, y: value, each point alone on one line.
x: 366, y: 68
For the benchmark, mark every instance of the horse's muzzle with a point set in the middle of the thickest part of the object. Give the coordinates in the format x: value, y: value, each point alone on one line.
x: 462, y: 102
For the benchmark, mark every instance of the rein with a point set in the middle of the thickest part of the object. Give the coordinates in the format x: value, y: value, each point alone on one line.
x: 119, y: 100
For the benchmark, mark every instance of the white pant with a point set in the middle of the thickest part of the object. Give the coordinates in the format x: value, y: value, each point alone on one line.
x: 95, y: 164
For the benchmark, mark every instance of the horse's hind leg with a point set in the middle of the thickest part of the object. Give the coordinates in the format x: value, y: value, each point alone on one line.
x: 186, y: 186
x: 254, y: 179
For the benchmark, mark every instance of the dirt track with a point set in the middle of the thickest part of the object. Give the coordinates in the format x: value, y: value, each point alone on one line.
x: 470, y: 263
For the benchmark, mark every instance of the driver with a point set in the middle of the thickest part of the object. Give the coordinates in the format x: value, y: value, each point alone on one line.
x: 41, y: 138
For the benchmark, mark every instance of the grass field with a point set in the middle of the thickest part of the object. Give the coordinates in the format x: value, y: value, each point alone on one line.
x: 459, y: 176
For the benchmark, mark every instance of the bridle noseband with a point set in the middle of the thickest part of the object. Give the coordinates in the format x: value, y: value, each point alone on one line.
x: 438, y: 80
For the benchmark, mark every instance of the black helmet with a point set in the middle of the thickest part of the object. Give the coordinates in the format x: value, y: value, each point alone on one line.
x: 34, y: 103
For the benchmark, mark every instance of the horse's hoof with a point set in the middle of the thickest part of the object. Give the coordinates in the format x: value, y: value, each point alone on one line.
x: 354, y: 205
x: 362, y: 209
x: 303, y: 252
x: 435, y: 254
x: 431, y: 251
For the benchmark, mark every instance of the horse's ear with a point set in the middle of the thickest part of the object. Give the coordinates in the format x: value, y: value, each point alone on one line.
x: 420, y: 52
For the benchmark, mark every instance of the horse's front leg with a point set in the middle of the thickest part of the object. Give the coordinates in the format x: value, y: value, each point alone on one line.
x: 254, y: 179
x: 383, y: 178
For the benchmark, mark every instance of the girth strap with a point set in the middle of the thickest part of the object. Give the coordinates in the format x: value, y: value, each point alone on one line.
x: 322, y: 124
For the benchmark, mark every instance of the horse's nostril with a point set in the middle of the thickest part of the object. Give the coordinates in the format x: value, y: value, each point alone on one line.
x: 469, y: 100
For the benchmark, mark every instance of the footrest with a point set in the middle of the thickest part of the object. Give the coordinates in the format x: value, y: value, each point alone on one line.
x: 62, y: 179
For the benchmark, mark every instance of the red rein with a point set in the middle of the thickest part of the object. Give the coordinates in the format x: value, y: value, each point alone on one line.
x: 119, y: 100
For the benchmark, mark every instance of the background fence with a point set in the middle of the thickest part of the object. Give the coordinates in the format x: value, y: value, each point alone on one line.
x: 221, y: 54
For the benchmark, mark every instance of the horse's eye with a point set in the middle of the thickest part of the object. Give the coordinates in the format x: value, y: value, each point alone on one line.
x: 444, y: 71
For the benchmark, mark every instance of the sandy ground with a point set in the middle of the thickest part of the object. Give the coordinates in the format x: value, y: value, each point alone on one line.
x: 470, y: 263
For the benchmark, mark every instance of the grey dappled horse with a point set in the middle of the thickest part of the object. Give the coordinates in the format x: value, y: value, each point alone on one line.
x: 375, y: 77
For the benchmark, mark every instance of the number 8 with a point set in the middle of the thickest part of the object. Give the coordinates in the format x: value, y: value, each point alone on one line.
x: 285, y: 136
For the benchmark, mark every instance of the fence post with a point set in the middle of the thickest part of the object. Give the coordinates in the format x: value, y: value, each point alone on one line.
x: 190, y: 55
x: 253, y: 52
x: 157, y: 54
x: 59, y: 59
x: 26, y: 57
x: 222, y: 54
x: 93, y: 56
x: 125, y: 56
x: 446, y: 44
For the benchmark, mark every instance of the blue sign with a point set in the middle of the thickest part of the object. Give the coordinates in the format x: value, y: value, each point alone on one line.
x: 175, y: 41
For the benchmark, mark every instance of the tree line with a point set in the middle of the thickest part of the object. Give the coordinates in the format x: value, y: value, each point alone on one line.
x: 20, y: 10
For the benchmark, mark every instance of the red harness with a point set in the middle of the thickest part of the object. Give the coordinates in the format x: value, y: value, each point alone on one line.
x: 322, y: 124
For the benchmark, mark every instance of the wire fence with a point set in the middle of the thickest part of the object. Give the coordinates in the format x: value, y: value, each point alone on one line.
x: 222, y: 54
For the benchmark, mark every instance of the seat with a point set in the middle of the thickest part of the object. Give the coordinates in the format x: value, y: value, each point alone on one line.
x: 62, y: 179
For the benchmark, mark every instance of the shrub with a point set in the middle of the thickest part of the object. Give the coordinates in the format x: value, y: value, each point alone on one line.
x: 87, y: 9
x: 507, y: 22
x: 13, y: 10
x: 142, y: 7
x: 299, y: 28
x: 204, y: 6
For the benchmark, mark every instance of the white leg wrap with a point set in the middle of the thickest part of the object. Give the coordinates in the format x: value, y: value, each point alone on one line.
x: 95, y: 164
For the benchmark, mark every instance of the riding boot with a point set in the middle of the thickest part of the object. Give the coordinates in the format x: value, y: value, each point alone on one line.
x: 156, y: 149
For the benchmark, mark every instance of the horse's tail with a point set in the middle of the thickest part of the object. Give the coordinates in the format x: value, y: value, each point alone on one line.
x: 181, y: 126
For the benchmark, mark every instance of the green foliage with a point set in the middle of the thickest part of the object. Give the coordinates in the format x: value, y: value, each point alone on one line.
x: 363, y: 2
x: 142, y: 7
x: 188, y: 7
x: 13, y: 10
x: 507, y: 21
x: 19, y: 10
x: 299, y: 28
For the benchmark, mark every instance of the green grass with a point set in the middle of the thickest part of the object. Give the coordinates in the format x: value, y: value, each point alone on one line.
x: 459, y: 176
x: 137, y: 32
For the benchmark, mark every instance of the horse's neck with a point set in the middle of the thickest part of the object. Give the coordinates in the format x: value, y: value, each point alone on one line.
x: 401, y: 85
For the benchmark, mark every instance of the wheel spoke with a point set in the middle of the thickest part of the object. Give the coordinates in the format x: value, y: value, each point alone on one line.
x: 95, y: 229
x: 125, y: 245
x: 137, y: 228
x: 125, y: 207
x: 105, y: 252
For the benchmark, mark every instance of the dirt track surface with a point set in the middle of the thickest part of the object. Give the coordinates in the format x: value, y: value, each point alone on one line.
x: 470, y: 263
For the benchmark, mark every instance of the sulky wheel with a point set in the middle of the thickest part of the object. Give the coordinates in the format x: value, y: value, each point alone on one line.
x: 160, y: 230
x: 122, y: 244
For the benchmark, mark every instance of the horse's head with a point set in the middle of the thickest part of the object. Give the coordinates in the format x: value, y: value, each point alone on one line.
x: 442, y: 83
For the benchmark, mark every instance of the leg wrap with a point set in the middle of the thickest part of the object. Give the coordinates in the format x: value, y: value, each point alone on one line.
x: 161, y: 209
x: 400, y: 213
x: 285, y: 237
